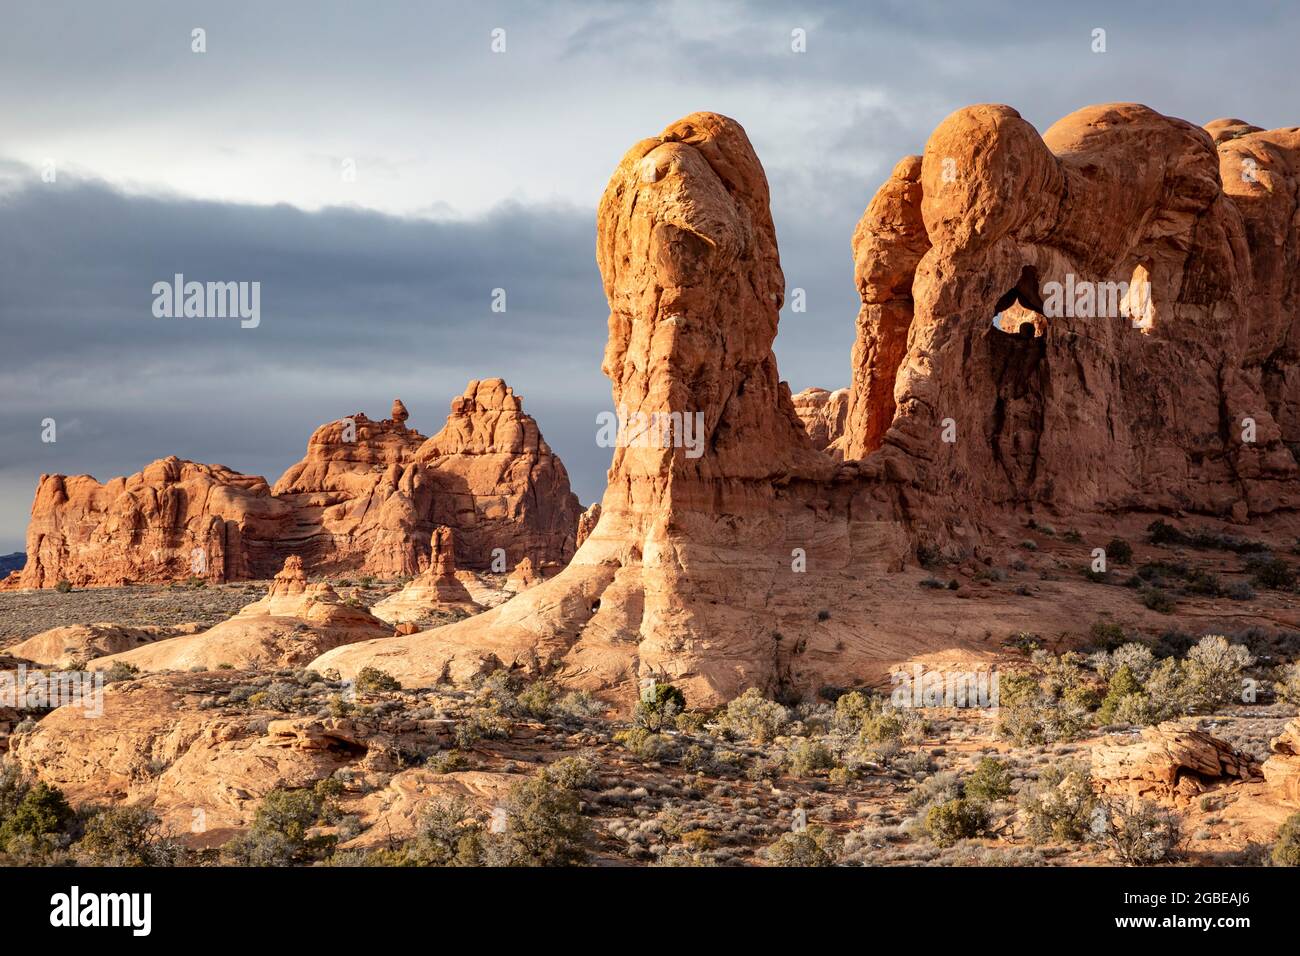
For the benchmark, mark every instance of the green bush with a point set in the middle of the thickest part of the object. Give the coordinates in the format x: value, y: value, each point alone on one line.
x: 279, y: 833
x: 538, y: 699
x: 1158, y: 600
x: 1122, y: 684
x: 33, y: 817
x: 989, y: 782
x: 816, y: 846
x: 1213, y: 670
x: 371, y: 680
x: 448, y: 836
x: 946, y: 823
x: 1140, y: 833
x: 571, y: 773
x: 1119, y: 551
x: 660, y: 707
x: 63, y: 586
x: 544, y: 826
x: 127, y: 836
x: 1059, y: 806
x: 806, y: 757
x: 753, y: 717
x: 1286, y: 851
x: 1272, y: 573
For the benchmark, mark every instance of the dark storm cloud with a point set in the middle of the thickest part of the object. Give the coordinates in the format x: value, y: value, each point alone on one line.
x: 358, y: 306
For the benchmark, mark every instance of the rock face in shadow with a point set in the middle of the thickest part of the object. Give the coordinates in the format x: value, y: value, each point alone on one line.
x: 745, y: 554
x: 364, y: 499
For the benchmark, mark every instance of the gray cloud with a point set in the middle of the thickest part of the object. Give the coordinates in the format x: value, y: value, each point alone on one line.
x: 475, y: 171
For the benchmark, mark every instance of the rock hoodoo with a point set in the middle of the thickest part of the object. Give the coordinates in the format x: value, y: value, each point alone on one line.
x: 754, y: 563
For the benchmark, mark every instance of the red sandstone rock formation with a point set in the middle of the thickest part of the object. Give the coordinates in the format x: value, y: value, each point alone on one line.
x: 364, y: 499
x: 1095, y: 414
x: 440, y: 588
x: 1171, y: 762
x: 721, y: 571
x: 823, y: 414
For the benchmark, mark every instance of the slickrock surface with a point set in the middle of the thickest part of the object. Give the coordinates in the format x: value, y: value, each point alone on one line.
x: 77, y: 643
x: 294, y: 623
x: 1171, y: 762
x: 364, y: 499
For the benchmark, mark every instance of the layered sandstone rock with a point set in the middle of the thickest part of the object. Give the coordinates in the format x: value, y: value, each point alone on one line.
x: 694, y: 569
x: 74, y: 644
x: 498, y: 483
x: 364, y: 499
x: 174, y: 519
x: 823, y: 414
x: 1282, y: 769
x: 1090, y: 413
x: 1170, y: 762
x: 293, y: 624
x: 163, y: 743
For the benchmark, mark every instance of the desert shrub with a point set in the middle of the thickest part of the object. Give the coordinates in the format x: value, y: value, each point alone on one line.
x: 371, y: 680
x: 989, y: 782
x: 127, y: 836
x: 1161, y: 532
x: 448, y: 761
x: 1158, y: 600
x: 806, y: 757
x: 1119, y: 551
x: 1288, y: 684
x: 659, y: 707
x: 579, y: 703
x: 1286, y: 850
x: 815, y: 846
x: 1122, y: 684
x: 537, y: 700
x: 571, y: 773
x: 1168, y: 690
x: 448, y: 836
x: 120, y: 671
x: 479, y: 724
x: 279, y: 833
x: 959, y: 819
x: 543, y: 826
x: 1140, y: 833
x: 1059, y: 805
x: 939, y: 788
x: 1106, y: 635
x: 752, y: 717
x: 1213, y: 670
x: 35, y: 816
x: 1240, y: 591
x: 63, y: 586
x: 1270, y: 572
x: 643, y: 744
x: 1029, y: 714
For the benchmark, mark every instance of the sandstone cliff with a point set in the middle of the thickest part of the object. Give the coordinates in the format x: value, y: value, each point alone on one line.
x: 364, y: 499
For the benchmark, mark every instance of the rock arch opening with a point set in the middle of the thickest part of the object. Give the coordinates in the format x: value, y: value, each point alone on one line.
x: 1019, y: 311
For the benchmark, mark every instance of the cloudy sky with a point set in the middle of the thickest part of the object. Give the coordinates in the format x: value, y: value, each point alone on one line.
x: 474, y: 170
